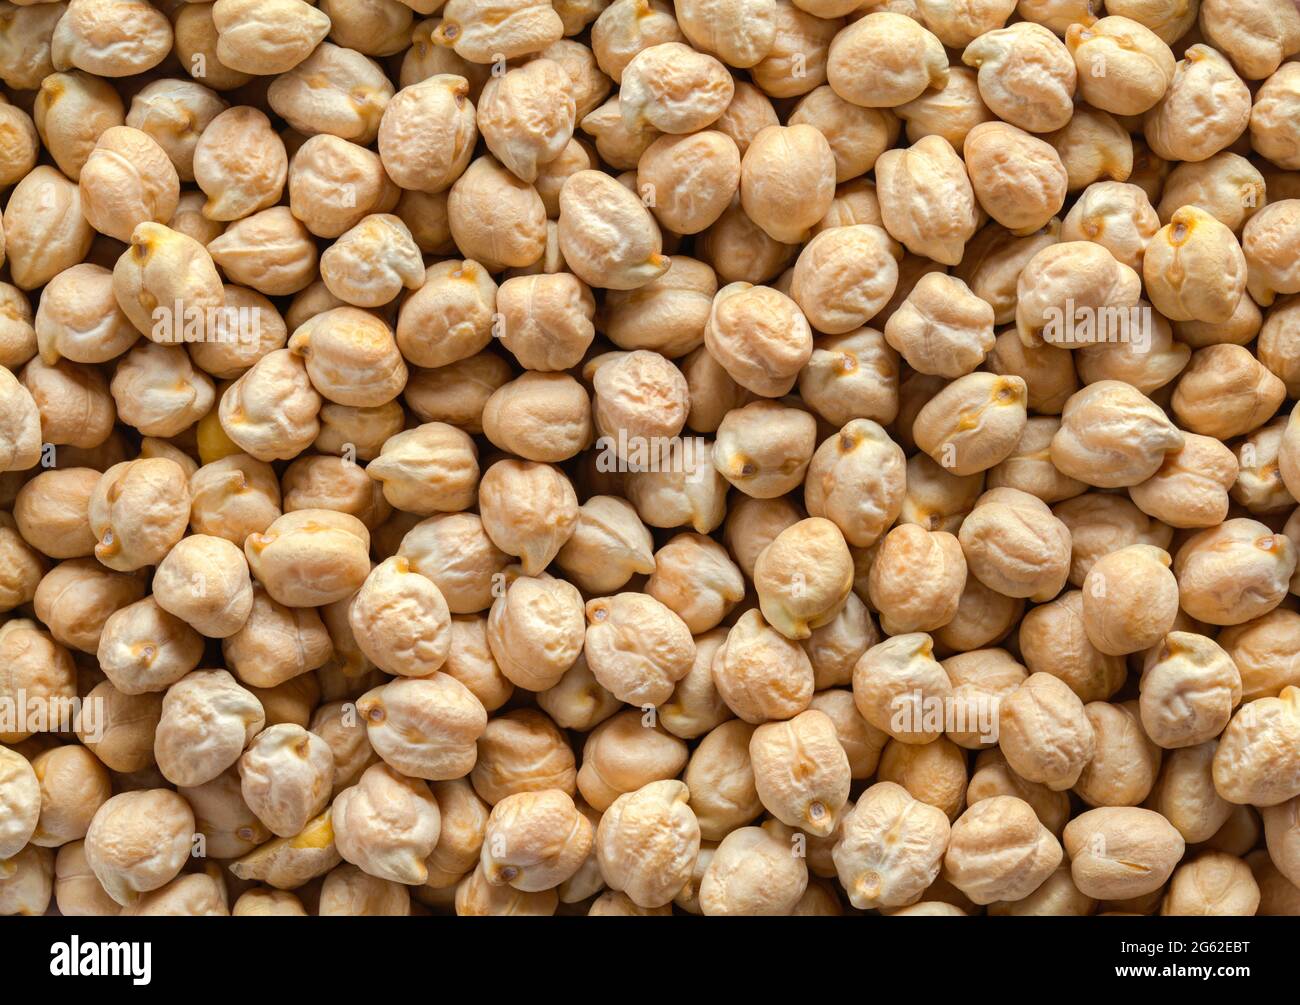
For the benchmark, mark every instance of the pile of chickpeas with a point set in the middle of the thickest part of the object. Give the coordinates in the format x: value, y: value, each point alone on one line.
x: 623, y: 457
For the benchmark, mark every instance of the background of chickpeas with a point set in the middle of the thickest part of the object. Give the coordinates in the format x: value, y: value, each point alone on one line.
x: 331, y: 338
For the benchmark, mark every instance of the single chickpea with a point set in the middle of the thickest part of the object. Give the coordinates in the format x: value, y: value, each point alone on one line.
x: 999, y: 851
x: 895, y: 681
x: 1185, y: 794
x: 71, y: 399
x: 607, y: 237
x: 1126, y: 764
x: 204, y: 581
x: 1194, y: 269
x: 27, y: 882
x: 508, y: 29
x: 534, y: 841
x: 812, y: 797
x: 1190, y: 687
x: 77, y: 892
x: 850, y: 376
x: 51, y: 512
x: 845, y: 277
x: 70, y: 112
x: 400, y: 620
x: 546, y: 320
x: 234, y: 497
x: 636, y: 647
x: 761, y: 674
x: 460, y: 838
x: 139, y: 841
x: 334, y: 184
x: 1130, y: 600
x: 310, y: 557
x: 934, y: 773
x: 453, y: 551
x: 856, y: 480
x: 760, y: 336
x: 1112, y: 435
x: 803, y: 577
x: 536, y: 630
x: 45, y: 230
x: 1123, y: 66
x: 1044, y: 733
x: 1274, y: 105
x: 495, y: 218
x: 618, y: 144
x: 724, y: 795
x: 1234, y: 572
x: 207, y: 721
x: 1168, y: 125
x: 752, y: 872
x: 127, y: 179
x: 138, y: 511
x: 577, y: 701
x: 1063, y: 280
x: 529, y: 510
x: 916, y: 579
x: 450, y: 721
x: 143, y: 648
x: 287, y: 863
x: 884, y: 60
x: 695, y: 578
x: 1014, y: 545
x: 256, y: 654
x: 1247, y: 766
x: 1121, y: 852
x: 1213, y: 884
x: 387, y: 824
x: 1263, y: 651
x: 522, y: 751
x: 21, y: 797
x: 696, y: 706
x: 159, y: 392
x: 1267, y: 242
x: 285, y: 777
x: 428, y: 469
x: 984, y: 617
x: 974, y: 423
x: 267, y: 36
x: 174, y: 114
x: 1116, y: 215
x: 874, y: 866
x: 270, y: 251
x: 926, y: 199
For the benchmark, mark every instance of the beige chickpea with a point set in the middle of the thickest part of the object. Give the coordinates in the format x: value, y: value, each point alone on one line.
x: 286, y: 863
x: 862, y: 742
x: 761, y: 674
x: 546, y: 320
x: 934, y: 773
x: 334, y: 184
x: 1259, y: 485
x: 1044, y: 733
x: 20, y: 420
x: 457, y: 555
x: 695, y: 706
x: 999, y: 851
x: 1112, y: 435
x: 174, y: 114
x: 667, y: 315
x: 19, y: 141
x: 18, y: 340
x: 689, y: 181
x: 695, y: 578
x: 370, y: 264
x: 787, y: 180
x: 1255, y: 36
x: 713, y: 391
x: 636, y: 647
x: 577, y: 701
x: 812, y: 797
x: 336, y: 723
x: 138, y: 511
x: 641, y: 402
x: 204, y: 581
x: 857, y: 135
x: 1123, y: 66
x: 1130, y: 600
x: 1037, y: 100
x: 267, y: 36
x: 143, y: 648
x: 51, y: 512
x: 1120, y: 852
x: 796, y: 62
x: 740, y: 250
x: 310, y: 557
x: 285, y: 777
x: 127, y: 179
x: 315, y: 481
x: 258, y: 654
x: 358, y: 431
x: 1274, y: 105
x: 1186, y: 796
x: 1063, y: 280
x: 803, y: 577
x: 70, y: 112
x: 387, y: 824
x: 1148, y: 361
x: 535, y: 630
x: 495, y: 218
x: 1282, y: 830
x: 1213, y: 884
x: 476, y: 897
x: 674, y: 89
x: 1168, y: 125
x: 942, y: 328
x: 607, y: 237
x: 895, y: 681
x: 270, y: 251
x: 427, y: 469
x: 1268, y: 242
x: 983, y: 617
x: 21, y: 797
x: 856, y: 480
x: 752, y: 872
x: 70, y: 397
x: 884, y: 60
x: 994, y: 777
x: 351, y: 357
x: 916, y: 579
x: 207, y: 721
x: 76, y: 597
x: 456, y: 393
x: 334, y: 90
x: 77, y: 892
x: 626, y: 27
x: 450, y: 720
x: 138, y: 841
x: 234, y: 497
x: 400, y: 620
x: 760, y: 336
x: 951, y: 111
x: 1194, y: 269
x: 1263, y: 651
x: 505, y: 30
x: 926, y: 198
x: 457, y: 302
x: 45, y: 231
x: 239, y: 163
x: 850, y: 376
x: 877, y: 866
x: 740, y: 34
x: 647, y: 842
x: 464, y: 819
x: 845, y: 277
x: 38, y: 672
x: 1093, y: 146
x: 980, y: 679
x: 1126, y: 764
x: 427, y: 133
x: 534, y: 841
x: 27, y: 882
x: 261, y: 902
x: 724, y: 795
x: 1190, y: 687
x: 973, y: 423
x: 522, y: 751
x: 1029, y: 466
x: 543, y: 417
x: 529, y: 510
x: 164, y: 279
x: 1244, y: 770
x: 196, y: 46
x: 609, y: 545
x: 1116, y: 215
x: 1017, y: 178
x: 110, y: 38
x: 1234, y: 572
x: 159, y: 392
x: 992, y: 262
x: 1227, y: 186
x: 618, y: 144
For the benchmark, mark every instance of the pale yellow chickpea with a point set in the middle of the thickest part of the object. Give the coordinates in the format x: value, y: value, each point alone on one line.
x: 916, y: 579
x: 431, y: 468
x: 694, y: 577
x: 51, y: 512
x: 535, y: 630
x: 764, y: 448
x: 1029, y: 466
x: 450, y: 720
x: 138, y: 841
x: 457, y: 302
x: 234, y: 497
x: 1174, y: 127
x: 427, y: 133
x: 1116, y: 215
x: 893, y: 684
x: 45, y: 231
x: 626, y: 27
x: 1018, y: 179
x: 526, y: 117
x: 334, y: 184
x: 387, y: 824
x: 942, y: 328
x: 1112, y: 436
x: 20, y: 794
x: 27, y: 882
x: 543, y: 417
x: 159, y: 392
x: 926, y: 199
x: 1126, y: 764
x: 973, y: 423
x: 400, y: 620
x: 285, y: 777
x: 1213, y: 884
x: 522, y: 751
x: 204, y: 581
x: 196, y: 46
x: 72, y: 403
x: 286, y: 863
x: 270, y: 251
x: 891, y: 847
x: 1189, y: 688
x: 796, y: 62
x: 207, y: 721
x: 110, y: 38
x: 803, y: 577
x: 636, y: 647
x: 624, y: 753
x: 1121, y: 852
x: 845, y: 277
x: 464, y: 820
x: 1268, y: 242
x: 1053, y: 640
x: 240, y: 164
x: 310, y: 557
x: 127, y: 179
x: 884, y: 60
x: 144, y: 649
x: 174, y: 114
x: 740, y: 34
x: 456, y: 393
x: 351, y: 357
x: 358, y: 432
x: 77, y: 892
x: 70, y: 112
x: 983, y: 617
x: 1234, y: 572
x: 607, y: 237
x: 1263, y: 651
x: 673, y: 88
x: 370, y: 264
x: 1194, y: 268
x: 254, y: 653
x: 760, y: 336
x: 752, y: 872
x: 546, y: 320
x: 981, y: 679
x: 641, y: 402
x: 495, y: 218
x: 334, y: 90
x: 992, y: 262
x: 1123, y: 66
x: 1186, y: 796
x: 165, y: 279
x: 139, y: 509
x: 647, y: 842
x: 38, y: 672
x: 534, y: 841
x: 760, y: 673
x: 504, y: 29
x: 73, y: 785
x: 934, y: 773
x: 856, y: 480
x: 1061, y: 281
x: 1130, y: 600
x: 999, y: 851
x: 1026, y: 76
x: 667, y: 315
x: 812, y: 796
x: 688, y: 181
x: 721, y: 779
x: 529, y: 510
x: 1274, y: 107
x: 1044, y: 733
x: 20, y: 420
x: 267, y: 36
x: 851, y: 375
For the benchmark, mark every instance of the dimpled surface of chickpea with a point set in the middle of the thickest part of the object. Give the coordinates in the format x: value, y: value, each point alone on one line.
x: 650, y: 457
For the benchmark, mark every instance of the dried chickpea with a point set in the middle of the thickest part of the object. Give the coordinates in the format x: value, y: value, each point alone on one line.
x: 999, y: 851
x: 529, y: 510
x: 204, y: 581
x: 760, y: 673
x: 812, y: 796
x: 1234, y: 572
x: 875, y: 862
x: 803, y: 577
x: 400, y: 620
x: 139, y: 841
x: 1120, y: 852
x: 607, y: 237
x: 1112, y: 435
x: 926, y: 199
x: 536, y: 630
x: 449, y: 717
x: 138, y: 511
x: 1247, y: 767
x: 1178, y: 129
x: 693, y: 576
x: 897, y: 682
x: 127, y: 179
x: 142, y: 648
x: 310, y: 557
x: 427, y: 469
x: 522, y: 751
x: 857, y: 481
x: 1130, y: 600
x: 1044, y: 733
x: 70, y: 397
x: 916, y: 579
x: 20, y: 795
x: 752, y: 872
x: 1212, y: 884
x: 884, y: 60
